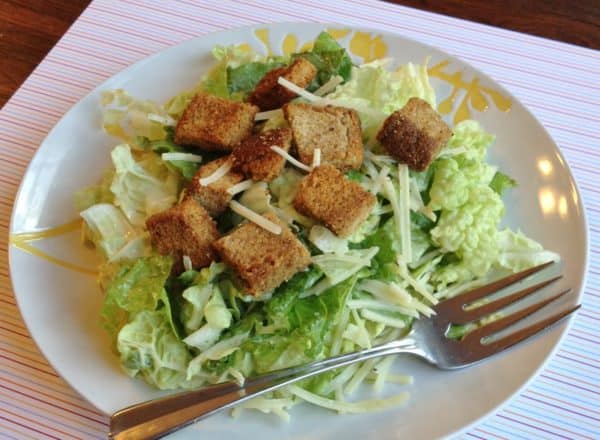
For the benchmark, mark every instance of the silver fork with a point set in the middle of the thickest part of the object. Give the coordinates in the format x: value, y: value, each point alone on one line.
x: 426, y: 340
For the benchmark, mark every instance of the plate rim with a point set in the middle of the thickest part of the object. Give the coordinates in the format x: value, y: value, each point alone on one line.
x: 563, y: 328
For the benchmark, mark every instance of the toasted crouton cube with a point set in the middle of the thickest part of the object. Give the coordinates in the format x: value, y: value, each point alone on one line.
x: 255, y: 158
x: 261, y: 259
x: 415, y: 134
x: 269, y: 94
x: 335, y: 130
x: 328, y: 196
x: 214, y: 196
x: 184, y: 229
x: 215, y: 124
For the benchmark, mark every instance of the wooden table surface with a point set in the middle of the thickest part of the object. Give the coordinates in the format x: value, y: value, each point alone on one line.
x: 30, y: 28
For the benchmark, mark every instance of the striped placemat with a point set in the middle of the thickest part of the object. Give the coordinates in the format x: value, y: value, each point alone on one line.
x: 558, y: 82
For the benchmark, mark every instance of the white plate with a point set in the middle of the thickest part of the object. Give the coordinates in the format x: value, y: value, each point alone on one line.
x: 61, y: 305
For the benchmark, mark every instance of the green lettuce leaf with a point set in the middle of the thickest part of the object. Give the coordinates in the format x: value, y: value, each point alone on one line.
x: 329, y: 58
x: 309, y: 324
x: 243, y: 79
x: 134, y: 286
x: 185, y: 168
x: 501, y: 182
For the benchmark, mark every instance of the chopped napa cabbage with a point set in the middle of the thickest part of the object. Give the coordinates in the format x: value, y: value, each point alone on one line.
x: 338, y: 267
x: 471, y: 232
x: 149, y: 348
x: 327, y: 241
x: 367, y: 227
x: 217, y: 351
x: 454, y: 178
x: 382, y: 92
x: 471, y: 136
x: 108, y: 228
x: 216, y: 313
x: 142, y: 187
x: 127, y: 117
x: 197, y: 296
x: 518, y: 252
x: 284, y: 189
x: 203, y: 338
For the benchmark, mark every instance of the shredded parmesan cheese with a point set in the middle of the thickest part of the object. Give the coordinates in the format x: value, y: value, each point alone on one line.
x: 219, y: 172
x: 390, y: 193
x: 187, y: 263
x: 264, y: 223
x: 262, y: 116
x: 381, y: 159
x: 380, y: 178
x: 382, y: 371
x: 374, y: 316
x: 290, y: 159
x: 297, y: 90
x: 316, y: 158
x: 329, y: 86
x: 188, y: 157
x: 165, y: 120
x: 404, y: 204
x: 240, y: 187
x: 418, y: 286
x: 349, y: 407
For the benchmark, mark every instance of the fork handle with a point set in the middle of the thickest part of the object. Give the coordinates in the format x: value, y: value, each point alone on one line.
x: 159, y: 417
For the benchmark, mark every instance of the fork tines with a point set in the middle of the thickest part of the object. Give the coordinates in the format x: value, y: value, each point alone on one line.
x: 454, y: 311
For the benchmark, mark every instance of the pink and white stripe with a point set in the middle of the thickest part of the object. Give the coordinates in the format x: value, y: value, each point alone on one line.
x: 557, y: 81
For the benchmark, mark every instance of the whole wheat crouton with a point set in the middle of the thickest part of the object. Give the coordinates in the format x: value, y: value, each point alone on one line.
x: 184, y: 229
x: 328, y: 196
x: 254, y: 156
x: 269, y: 94
x: 262, y: 260
x: 415, y: 134
x: 214, y: 124
x: 334, y: 130
x: 213, y: 197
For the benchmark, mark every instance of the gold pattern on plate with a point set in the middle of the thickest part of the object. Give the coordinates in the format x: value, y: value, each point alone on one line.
x: 362, y: 44
x: 475, y: 96
x: 23, y: 240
